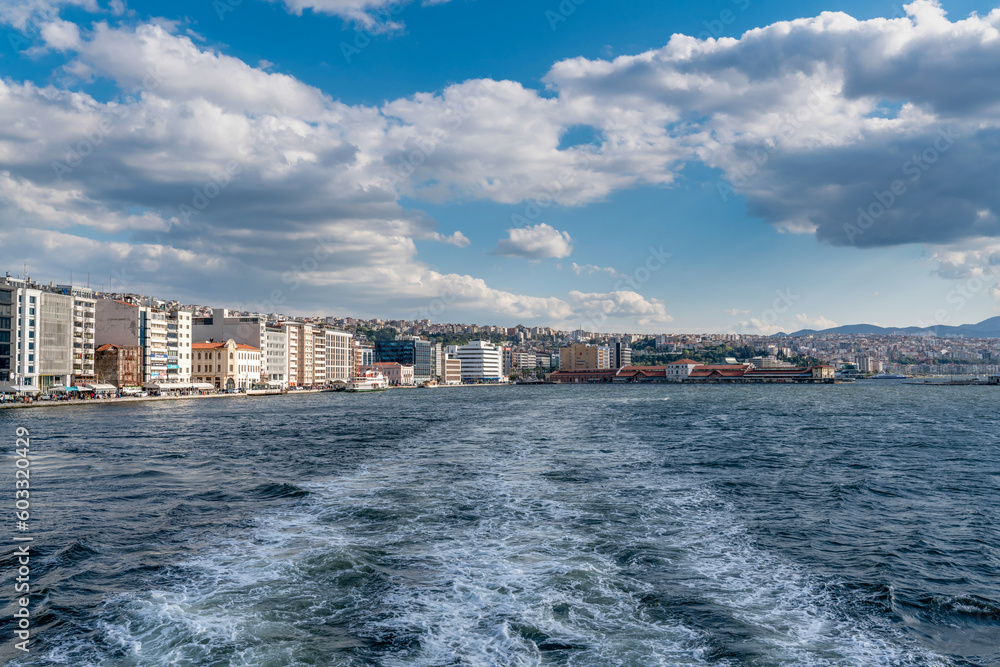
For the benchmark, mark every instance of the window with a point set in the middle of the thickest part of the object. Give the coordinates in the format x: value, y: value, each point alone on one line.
x: 31, y: 311
x: 31, y: 300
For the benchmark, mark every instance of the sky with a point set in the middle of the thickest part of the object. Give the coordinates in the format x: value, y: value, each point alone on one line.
x: 647, y: 167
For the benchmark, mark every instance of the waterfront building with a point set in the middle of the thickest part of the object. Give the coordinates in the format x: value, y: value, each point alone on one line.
x: 228, y: 365
x: 395, y: 373
x: 580, y: 356
x: 482, y: 361
x: 680, y: 369
x: 118, y: 365
x: 338, y: 356
x: 179, y: 339
x: 84, y: 322
x: 367, y: 356
x: 276, y: 352
x: 36, y: 335
x: 619, y: 354
x: 128, y: 324
x: 409, y: 350
x: 301, y: 356
x: 452, y: 373
x: 508, y: 360
x: 524, y: 361
x: 222, y: 325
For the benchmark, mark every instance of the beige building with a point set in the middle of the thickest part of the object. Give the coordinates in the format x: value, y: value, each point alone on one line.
x: 128, y: 324
x: 397, y: 374
x: 451, y: 372
x: 228, y: 365
x: 579, y: 356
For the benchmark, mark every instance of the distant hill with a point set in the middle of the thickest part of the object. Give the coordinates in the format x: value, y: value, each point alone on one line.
x: 986, y: 329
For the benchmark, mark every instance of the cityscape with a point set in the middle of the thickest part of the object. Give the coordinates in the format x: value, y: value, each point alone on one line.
x: 72, y: 339
x: 500, y: 333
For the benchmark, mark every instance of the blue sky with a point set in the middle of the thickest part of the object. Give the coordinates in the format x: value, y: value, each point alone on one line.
x: 478, y: 161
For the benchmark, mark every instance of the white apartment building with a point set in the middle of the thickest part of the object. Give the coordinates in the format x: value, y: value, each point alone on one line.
x: 179, y: 340
x: 276, y: 352
x: 680, y: 369
x: 338, y: 356
x: 482, y: 361
x: 36, y: 335
x: 84, y: 321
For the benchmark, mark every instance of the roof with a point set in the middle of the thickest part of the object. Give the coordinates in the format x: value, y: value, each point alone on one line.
x: 685, y: 362
x: 222, y: 346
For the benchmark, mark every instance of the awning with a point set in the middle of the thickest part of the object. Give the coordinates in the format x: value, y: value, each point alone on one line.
x: 202, y: 385
x: 100, y: 388
x: 17, y: 389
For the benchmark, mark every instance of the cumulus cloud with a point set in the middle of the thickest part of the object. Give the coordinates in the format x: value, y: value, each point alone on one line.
x: 867, y: 133
x: 538, y: 242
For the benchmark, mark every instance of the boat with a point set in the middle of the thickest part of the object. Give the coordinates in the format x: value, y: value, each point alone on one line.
x: 889, y: 376
x: 369, y: 381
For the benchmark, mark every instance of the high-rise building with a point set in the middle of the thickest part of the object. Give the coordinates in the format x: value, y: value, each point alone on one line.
x: 276, y: 351
x: 338, y: 355
x: 481, y: 362
x: 36, y: 335
x: 179, y: 340
x: 579, y: 356
x: 619, y: 353
x: 409, y: 351
x: 84, y: 321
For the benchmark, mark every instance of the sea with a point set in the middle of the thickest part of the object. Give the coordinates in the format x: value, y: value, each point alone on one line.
x: 641, y: 525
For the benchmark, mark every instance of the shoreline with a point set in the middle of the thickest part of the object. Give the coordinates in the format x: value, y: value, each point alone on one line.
x: 142, y: 399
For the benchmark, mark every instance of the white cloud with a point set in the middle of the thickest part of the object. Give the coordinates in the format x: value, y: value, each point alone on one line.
x: 538, y: 242
x: 310, y: 168
x: 590, y: 269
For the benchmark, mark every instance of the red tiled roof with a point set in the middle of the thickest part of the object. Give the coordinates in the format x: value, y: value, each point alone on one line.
x: 686, y: 362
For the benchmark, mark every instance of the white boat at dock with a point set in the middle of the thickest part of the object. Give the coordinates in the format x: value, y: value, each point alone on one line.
x: 369, y: 381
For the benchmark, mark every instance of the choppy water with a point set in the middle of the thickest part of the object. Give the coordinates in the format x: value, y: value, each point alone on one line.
x: 653, y: 525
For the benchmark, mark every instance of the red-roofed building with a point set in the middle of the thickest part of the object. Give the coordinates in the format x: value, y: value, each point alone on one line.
x: 718, y: 373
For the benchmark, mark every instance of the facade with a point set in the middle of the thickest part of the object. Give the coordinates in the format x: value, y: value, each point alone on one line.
x: 524, y: 361
x: 84, y: 321
x: 301, y: 353
x: 395, y: 373
x: 179, y: 346
x: 579, y: 356
x: 367, y: 356
x: 36, y: 335
x: 481, y: 362
x: 452, y: 370
x: 228, y: 365
x: 619, y: 354
x: 680, y: 369
x: 276, y: 352
x: 338, y: 356
x: 8, y: 334
x: 128, y: 324
x: 223, y: 325
x: 118, y: 365
x: 409, y: 351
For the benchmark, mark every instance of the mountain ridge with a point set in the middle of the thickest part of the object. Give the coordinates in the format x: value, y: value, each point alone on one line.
x: 988, y: 328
